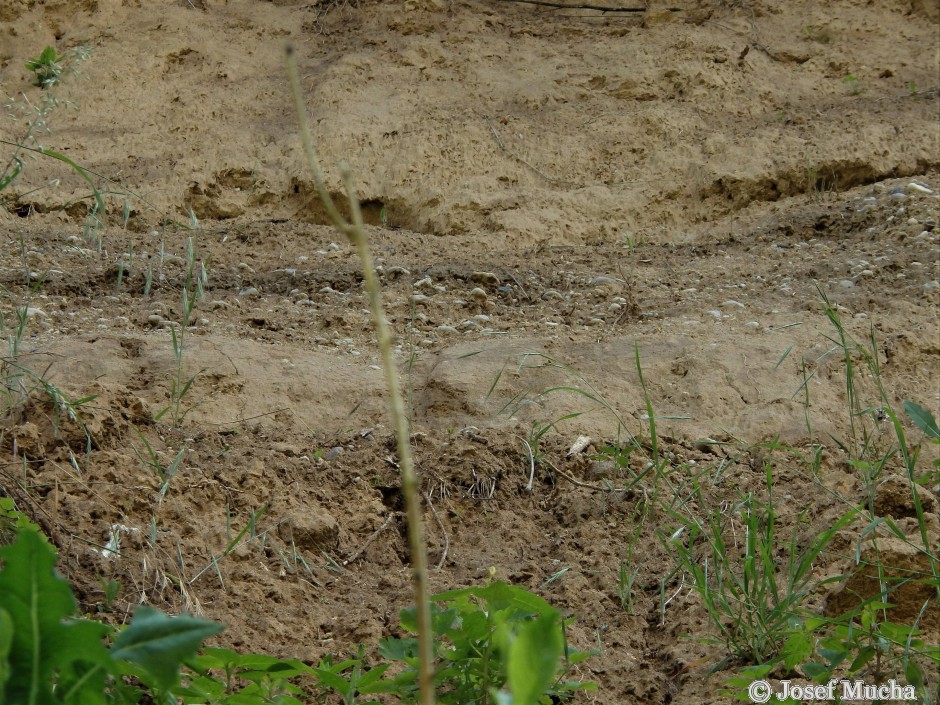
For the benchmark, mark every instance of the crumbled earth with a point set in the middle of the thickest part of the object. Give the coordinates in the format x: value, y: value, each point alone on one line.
x: 558, y: 200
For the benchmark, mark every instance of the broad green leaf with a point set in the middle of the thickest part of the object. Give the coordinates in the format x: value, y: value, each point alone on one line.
x: 534, y: 654
x: 865, y: 654
x: 923, y: 419
x: 6, y: 642
x: 331, y: 680
x: 913, y: 674
x: 160, y: 644
x: 398, y: 649
x: 817, y: 671
x: 38, y: 602
x: 798, y: 648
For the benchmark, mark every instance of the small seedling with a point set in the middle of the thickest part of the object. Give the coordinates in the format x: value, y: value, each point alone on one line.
x: 46, y: 68
x: 111, y: 589
x: 852, y: 84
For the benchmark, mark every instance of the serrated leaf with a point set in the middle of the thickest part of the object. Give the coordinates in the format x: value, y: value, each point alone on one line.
x: 38, y: 602
x: 923, y: 419
x: 798, y: 648
x: 160, y: 644
x: 398, y: 649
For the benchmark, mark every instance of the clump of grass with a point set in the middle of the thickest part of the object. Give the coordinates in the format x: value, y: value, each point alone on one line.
x: 193, y: 290
x: 733, y: 557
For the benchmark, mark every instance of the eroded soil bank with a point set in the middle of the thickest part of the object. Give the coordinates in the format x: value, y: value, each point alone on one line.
x: 551, y: 195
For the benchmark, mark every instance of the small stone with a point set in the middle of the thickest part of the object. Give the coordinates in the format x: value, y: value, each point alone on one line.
x: 752, y: 324
x: 478, y: 295
x: 312, y: 529
x: 914, y: 186
x: 250, y: 291
x: 418, y: 298
x: 601, y: 469
x: 552, y: 294
x: 155, y: 320
x: 396, y: 272
x: 714, y: 313
x: 446, y: 330
x: 731, y: 303
x: 602, y: 280
x: 487, y: 278
x: 846, y: 283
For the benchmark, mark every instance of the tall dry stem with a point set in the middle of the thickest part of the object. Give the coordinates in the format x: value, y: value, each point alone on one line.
x: 355, y: 231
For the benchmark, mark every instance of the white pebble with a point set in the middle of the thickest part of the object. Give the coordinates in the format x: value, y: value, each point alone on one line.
x: 846, y: 283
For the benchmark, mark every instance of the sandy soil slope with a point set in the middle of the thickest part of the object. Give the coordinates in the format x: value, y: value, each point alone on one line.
x: 550, y: 193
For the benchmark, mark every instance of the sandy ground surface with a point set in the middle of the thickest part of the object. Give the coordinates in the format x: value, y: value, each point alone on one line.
x: 550, y: 193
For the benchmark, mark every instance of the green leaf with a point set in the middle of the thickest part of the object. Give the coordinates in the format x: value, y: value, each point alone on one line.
x: 817, y: 671
x: 913, y: 674
x: 923, y: 419
x: 398, y: 649
x: 6, y: 642
x: 798, y: 648
x: 160, y: 644
x: 534, y: 654
x: 331, y: 680
x: 865, y: 655
x: 38, y: 602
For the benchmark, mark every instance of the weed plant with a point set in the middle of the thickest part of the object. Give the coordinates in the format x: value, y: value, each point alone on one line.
x: 193, y: 290
x: 733, y: 557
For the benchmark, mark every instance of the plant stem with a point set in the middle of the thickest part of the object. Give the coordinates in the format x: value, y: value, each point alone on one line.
x: 355, y: 231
